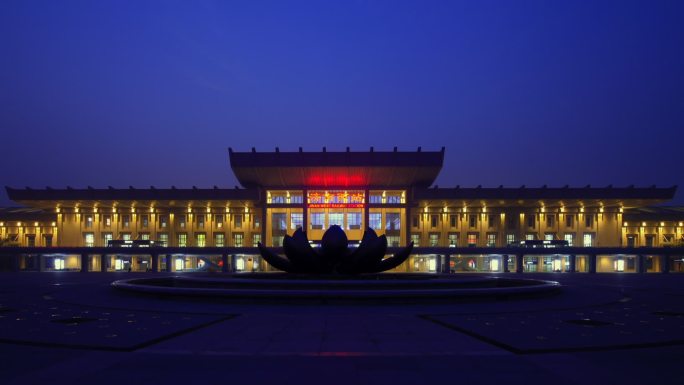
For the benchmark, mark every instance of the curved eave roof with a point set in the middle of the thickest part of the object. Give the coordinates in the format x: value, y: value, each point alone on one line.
x: 338, y: 169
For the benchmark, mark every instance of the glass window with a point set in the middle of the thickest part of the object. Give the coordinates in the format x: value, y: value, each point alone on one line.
x: 453, y: 240
x: 163, y: 239
x: 570, y: 238
x: 201, y: 239
x: 107, y: 220
x: 393, y: 240
x: 238, y: 221
x: 182, y: 240
x: 89, y: 239
x: 126, y: 220
x: 163, y: 221
x: 433, y: 221
x: 589, y: 220
x: 31, y: 240
x: 278, y: 199
x: 530, y: 237
x: 510, y: 221
x: 491, y: 220
x: 200, y: 221
x: 219, y: 239
x: 491, y: 240
x: 278, y: 221
x: 550, y: 220
x: 297, y: 220
x: 317, y: 221
x: 414, y: 221
x: 145, y: 220
x: 375, y: 199
x: 337, y: 219
x: 256, y: 239
x: 296, y: 199
x: 415, y: 238
x: 588, y: 240
x: 394, y: 199
x: 278, y: 240
x: 126, y: 236
x: 472, y: 240
x: 531, y: 220
x: 452, y: 220
x: 472, y: 220
x: 375, y: 220
x: 354, y: 221
x: 549, y: 236
x: 106, y: 237
x: 181, y: 221
x: 88, y: 221
x: 569, y: 220
x: 434, y: 240
x: 219, y: 220
x: 145, y: 236
x: 510, y: 239
x: 392, y: 221
x: 237, y: 239
x: 257, y: 221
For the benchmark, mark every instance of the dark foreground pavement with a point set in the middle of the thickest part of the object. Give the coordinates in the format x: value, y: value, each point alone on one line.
x: 609, y: 329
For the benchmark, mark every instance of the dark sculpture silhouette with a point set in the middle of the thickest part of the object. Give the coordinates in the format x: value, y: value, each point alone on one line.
x: 334, y: 257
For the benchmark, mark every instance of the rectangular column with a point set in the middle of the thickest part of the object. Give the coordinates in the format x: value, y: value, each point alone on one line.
x: 84, y: 263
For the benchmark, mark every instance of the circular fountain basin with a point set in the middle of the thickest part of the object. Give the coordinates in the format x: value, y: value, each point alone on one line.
x: 363, y: 287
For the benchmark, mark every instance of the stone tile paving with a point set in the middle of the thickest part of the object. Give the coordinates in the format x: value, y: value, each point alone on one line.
x: 194, y: 341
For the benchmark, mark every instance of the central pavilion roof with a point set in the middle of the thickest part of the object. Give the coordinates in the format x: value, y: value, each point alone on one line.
x: 385, y: 169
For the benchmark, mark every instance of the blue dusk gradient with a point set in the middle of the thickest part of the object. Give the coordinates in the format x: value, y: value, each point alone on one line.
x: 519, y: 92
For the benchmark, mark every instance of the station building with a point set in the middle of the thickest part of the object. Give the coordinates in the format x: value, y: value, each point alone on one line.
x: 391, y: 192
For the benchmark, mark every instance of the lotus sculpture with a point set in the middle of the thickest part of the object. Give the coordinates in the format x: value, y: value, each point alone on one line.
x: 334, y: 256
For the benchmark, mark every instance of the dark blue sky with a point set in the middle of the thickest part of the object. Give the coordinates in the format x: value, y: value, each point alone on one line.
x: 520, y: 92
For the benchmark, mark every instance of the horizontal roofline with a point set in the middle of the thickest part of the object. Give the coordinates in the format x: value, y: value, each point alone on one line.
x: 48, y: 193
x: 631, y: 192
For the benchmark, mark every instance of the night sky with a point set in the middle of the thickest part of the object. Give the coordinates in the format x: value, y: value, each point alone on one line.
x: 519, y: 92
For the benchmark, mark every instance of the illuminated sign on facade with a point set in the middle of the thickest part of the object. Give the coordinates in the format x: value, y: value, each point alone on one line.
x: 335, y: 199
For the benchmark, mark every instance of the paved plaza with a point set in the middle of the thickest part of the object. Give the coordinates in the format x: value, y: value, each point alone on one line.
x: 602, y: 328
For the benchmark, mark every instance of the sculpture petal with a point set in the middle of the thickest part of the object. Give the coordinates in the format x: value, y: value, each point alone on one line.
x: 395, y: 260
x: 300, y: 253
x: 276, y: 260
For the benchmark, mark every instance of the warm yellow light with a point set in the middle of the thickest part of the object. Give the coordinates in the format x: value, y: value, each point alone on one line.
x: 621, y: 209
x: 246, y: 209
x: 662, y: 224
x: 35, y: 224
x: 543, y: 209
x: 76, y: 209
x: 446, y: 209
x: 53, y: 224
x: 680, y: 224
x: 57, y: 209
x: 3, y: 224
x: 625, y: 224
x: 581, y: 209
x: 151, y: 209
x: 562, y: 209
x: 95, y: 210
x: 18, y: 223
x: 643, y: 224
x: 208, y: 209
x: 227, y: 210
x: 132, y: 209
x: 189, y: 209
x: 425, y: 209
x: 484, y: 209
x: 114, y: 209
x: 601, y: 210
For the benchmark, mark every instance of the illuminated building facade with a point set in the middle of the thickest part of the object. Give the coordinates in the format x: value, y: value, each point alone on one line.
x: 388, y: 191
